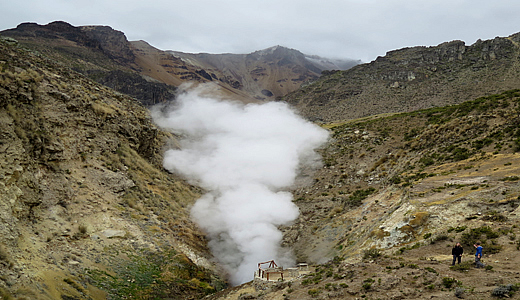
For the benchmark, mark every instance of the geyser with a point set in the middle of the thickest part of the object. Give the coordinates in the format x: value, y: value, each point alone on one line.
x: 244, y: 156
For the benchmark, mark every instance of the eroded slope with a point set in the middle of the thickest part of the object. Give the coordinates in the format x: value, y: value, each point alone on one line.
x: 87, y: 211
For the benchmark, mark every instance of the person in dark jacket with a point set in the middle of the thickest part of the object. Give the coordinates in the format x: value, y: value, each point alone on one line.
x: 457, y: 253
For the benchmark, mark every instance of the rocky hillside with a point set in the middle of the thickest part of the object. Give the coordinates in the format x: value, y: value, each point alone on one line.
x: 266, y: 74
x: 99, y: 52
x: 396, y: 192
x: 151, y: 75
x: 414, y: 78
x: 86, y: 210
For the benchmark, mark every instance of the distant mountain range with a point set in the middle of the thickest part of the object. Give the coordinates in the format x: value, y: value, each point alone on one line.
x: 268, y: 73
x: 151, y: 75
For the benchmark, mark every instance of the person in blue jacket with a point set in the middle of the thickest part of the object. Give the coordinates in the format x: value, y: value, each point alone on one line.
x: 478, y: 255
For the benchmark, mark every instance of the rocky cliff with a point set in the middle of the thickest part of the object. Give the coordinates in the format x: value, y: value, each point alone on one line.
x: 86, y: 210
x: 413, y: 78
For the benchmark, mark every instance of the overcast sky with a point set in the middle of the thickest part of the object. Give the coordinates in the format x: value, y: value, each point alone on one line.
x: 358, y: 29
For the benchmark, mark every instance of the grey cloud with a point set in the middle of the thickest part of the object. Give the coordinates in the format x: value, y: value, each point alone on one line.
x: 352, y: 28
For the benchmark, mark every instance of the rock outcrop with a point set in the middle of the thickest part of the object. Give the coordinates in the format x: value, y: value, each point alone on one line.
x: 413, y: 78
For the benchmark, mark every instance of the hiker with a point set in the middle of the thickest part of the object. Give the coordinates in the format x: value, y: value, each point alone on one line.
x: 457, y: 253
x: 478, y: 255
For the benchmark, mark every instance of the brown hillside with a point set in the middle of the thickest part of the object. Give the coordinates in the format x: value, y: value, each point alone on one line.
x: 413, y: 78
x: 86, y: 210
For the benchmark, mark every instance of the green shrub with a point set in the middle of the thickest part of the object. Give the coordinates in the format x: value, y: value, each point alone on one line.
x: 313, y: 292
x: 449, y: 282
x: 411, y: 134
x: 395, y: 179
x: 457, y: 229
x: 356, y: 199
x: 371, y: 254
x: 492, y: 248
x: 439, y: 238
x: 426, y: 161
x: 82, y: 228
x: 494, y: 216
x: 478, y: 234
x: 464, y: 266
x: 458, y: 153
x: 510, y: 178
x: 479, y: 144
x: 505, y: 290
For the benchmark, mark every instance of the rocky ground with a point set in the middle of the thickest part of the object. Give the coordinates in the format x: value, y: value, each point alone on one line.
x: 421, y: 273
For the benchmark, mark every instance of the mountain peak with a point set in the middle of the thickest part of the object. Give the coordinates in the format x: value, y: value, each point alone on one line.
x: 276, y: 49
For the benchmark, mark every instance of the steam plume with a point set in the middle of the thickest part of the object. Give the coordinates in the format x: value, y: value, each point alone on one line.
x: 244, y: 156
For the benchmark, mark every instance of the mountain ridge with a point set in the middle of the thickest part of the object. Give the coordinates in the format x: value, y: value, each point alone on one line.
x: 131, y: 67
x: 413, y: 78
x: 266, y: 74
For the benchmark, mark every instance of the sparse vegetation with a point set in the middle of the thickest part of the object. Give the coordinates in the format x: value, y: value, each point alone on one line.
x: 5, y: 295
x: 313, y: 292
x: 484, y: 234
x: 439, y: 238
x: 155, y: 275
x: 356, y: 199
x: 510, y: 178
x: 371, y: 254
x: 463, y: 266
x: 367, y: 283
x: 505, y: 291
x: 449, y: 282
x: 82, y: 229
x: 457, y: 229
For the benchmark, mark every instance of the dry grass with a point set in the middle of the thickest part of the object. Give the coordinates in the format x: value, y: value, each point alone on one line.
x: 4, y: 255
x: 103, y: 110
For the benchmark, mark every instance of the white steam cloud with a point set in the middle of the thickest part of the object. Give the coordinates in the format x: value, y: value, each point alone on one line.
x: 244, y: 156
